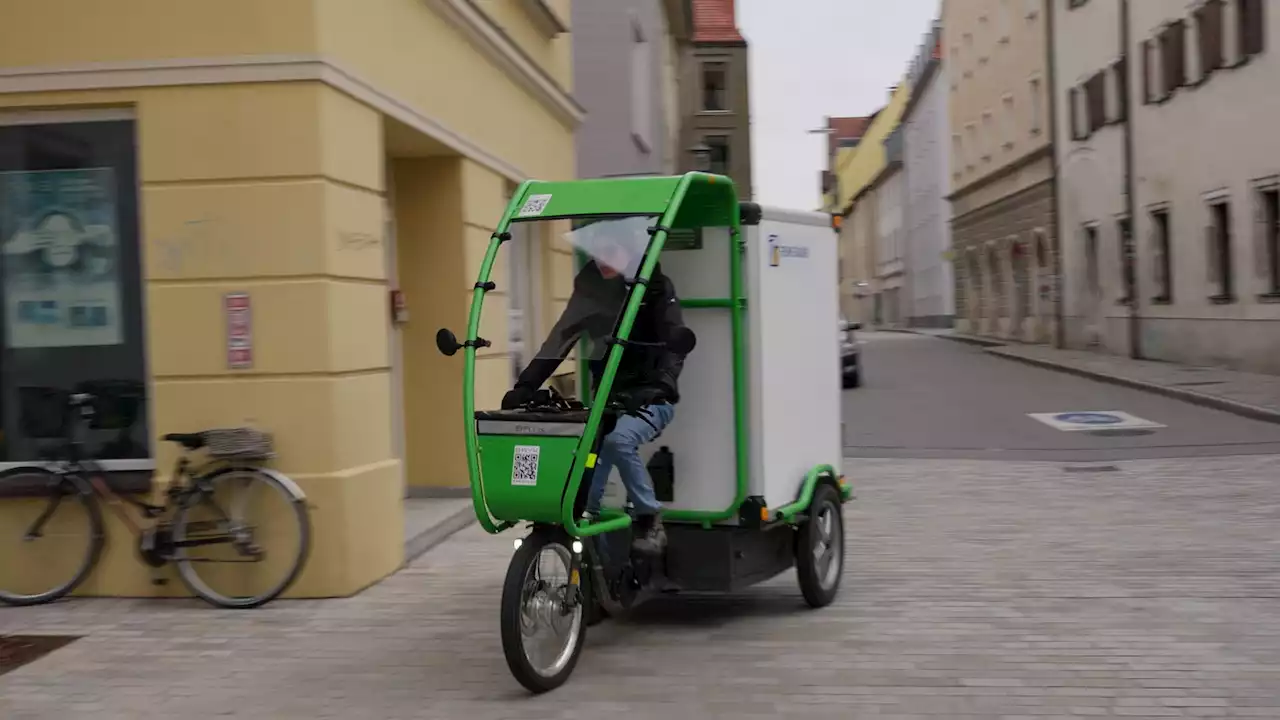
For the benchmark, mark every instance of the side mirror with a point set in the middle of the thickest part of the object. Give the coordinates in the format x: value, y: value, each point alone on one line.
x: 447, y: 343
x: 682, y: 341
x: 845, y: 326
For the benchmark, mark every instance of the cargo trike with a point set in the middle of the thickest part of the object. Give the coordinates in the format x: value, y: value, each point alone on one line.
x: 748, y: 469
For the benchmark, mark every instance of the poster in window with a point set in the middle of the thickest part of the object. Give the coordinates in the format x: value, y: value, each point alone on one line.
x: 61, y: 258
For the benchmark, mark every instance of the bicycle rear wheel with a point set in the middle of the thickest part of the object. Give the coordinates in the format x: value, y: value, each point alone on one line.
x: 242, y: 537
x: 51, y: 535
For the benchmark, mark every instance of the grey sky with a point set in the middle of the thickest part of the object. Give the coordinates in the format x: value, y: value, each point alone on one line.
x: 813, y: 58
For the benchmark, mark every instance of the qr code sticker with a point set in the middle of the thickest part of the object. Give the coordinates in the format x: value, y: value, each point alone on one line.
x: 534, y: 206
x: 524, y: 468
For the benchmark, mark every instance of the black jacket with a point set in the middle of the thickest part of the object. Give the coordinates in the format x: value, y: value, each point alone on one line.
x: 594, y: 310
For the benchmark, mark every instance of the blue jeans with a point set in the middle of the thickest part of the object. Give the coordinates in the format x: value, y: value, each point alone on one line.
x: 621, y: 448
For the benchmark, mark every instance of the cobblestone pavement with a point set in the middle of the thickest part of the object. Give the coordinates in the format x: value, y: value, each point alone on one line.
x: 973, y: 589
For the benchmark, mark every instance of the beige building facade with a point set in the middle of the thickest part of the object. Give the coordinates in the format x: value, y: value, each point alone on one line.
x: 1002, y: 167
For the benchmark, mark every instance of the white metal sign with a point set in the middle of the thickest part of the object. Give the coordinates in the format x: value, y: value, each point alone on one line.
x: 1087, y: 420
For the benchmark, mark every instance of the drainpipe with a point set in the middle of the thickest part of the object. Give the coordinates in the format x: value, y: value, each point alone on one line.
x: 1130, y: 191
x: 1059, y: 297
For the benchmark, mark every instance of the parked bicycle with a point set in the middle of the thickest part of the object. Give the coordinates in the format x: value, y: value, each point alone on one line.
x: 221, y: 504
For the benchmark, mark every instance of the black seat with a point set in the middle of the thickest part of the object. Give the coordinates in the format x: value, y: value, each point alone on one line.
x: 190, y: 441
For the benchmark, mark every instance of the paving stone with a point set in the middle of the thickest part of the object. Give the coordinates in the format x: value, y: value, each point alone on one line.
x: 973, y: 589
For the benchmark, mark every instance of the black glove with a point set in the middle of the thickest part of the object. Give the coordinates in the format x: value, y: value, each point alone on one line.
x: 517, y: 397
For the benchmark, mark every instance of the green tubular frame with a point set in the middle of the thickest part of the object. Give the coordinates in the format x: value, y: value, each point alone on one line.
x: 469, y: 369
x: 736, y: 303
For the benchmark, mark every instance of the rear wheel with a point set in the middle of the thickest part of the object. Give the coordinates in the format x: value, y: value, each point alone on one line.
x: 50, y: 538
x: 542, y: 633
x: 820, y: 548
x: 242, y: 540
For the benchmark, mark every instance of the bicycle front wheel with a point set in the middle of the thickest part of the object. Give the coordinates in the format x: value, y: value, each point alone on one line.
x: 241, y: 538
x: 50, y: 535
x: 541, y: 620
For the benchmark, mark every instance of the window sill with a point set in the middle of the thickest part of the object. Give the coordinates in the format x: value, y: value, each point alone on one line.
x: 715, y: 112
x: 1222, y: 299
x: 1270, y: 297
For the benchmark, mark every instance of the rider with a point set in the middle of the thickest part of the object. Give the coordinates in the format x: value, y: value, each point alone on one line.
x: 645, y: 381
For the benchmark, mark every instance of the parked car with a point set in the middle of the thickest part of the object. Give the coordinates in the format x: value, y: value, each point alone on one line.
x: 850, y: 357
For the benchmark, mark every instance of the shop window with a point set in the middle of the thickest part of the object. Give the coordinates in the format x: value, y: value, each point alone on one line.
x: 715, y: 87
x: 1162, y: 250
x: 72, y: 288
x: 1219, y: 252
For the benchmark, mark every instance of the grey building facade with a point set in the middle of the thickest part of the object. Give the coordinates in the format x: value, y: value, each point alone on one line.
x: 626, y: 64
x: 928, y: 214
x: 714, y: 96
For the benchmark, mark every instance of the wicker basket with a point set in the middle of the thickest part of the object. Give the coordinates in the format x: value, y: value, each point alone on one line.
x: 238, y: 444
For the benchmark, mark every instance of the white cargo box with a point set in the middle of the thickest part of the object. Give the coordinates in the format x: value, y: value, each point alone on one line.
x: 790, y: 272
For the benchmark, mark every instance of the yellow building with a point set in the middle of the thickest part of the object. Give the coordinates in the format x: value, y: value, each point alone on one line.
x: 855, y: 169
x: 320, y: 157
x: 857, y: 166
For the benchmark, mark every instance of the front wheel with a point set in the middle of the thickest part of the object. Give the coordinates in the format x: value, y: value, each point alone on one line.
x: 241, y: 538
x: 820, y: 548
x: 542, y: 623
x: 51, y: 535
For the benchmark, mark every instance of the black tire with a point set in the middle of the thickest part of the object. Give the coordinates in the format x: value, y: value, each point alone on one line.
x: 593, y: 612
x: 28, y: 483
x: 512, y: 614
x: 186, y: 567
x: 820, y: 581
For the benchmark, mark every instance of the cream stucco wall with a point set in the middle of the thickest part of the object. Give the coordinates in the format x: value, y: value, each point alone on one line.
x: 264, y: 123
x: 995, y: 54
